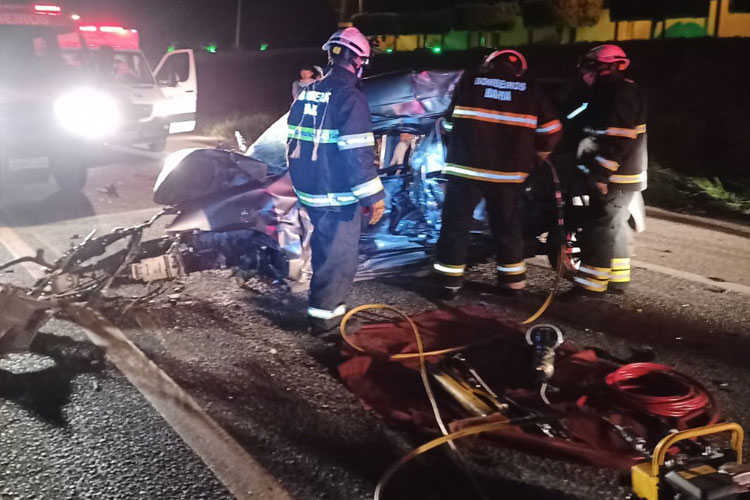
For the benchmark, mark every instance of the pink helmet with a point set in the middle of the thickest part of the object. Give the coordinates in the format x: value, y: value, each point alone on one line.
x: 607, y: 54
x: 352, y: 39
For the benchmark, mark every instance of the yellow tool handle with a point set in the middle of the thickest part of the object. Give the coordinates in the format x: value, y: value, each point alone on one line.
x: 660, y: 452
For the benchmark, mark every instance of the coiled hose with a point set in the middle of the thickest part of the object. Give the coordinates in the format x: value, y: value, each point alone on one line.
x: 659, y: 390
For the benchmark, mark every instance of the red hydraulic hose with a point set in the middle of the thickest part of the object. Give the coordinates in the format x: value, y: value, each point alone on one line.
x: 660, y: 390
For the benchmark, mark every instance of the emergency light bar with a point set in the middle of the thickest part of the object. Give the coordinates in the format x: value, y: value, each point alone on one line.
x: 32, y: 15
x: 52, y: 10
x: 116, y: 37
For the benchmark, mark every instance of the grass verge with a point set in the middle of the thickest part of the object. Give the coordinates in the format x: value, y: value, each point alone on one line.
x: 250, y: 126
x: 669, y: 189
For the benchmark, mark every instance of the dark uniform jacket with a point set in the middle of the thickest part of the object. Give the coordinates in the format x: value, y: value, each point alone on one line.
x: 615, y: 129
x: 499, y: 122
x: 330, y: 144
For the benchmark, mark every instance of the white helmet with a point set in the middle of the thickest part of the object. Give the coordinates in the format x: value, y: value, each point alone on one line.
x: 352, y: 39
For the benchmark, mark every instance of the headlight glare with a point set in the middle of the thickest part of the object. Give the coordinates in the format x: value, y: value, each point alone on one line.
x: 88, y: 113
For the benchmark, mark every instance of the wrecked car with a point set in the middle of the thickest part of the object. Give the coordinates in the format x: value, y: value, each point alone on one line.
x: 236, y: 208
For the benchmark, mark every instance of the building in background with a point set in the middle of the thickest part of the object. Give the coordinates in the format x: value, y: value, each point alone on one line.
x: 458, y: 25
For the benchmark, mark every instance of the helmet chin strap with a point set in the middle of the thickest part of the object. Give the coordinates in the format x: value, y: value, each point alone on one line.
x: 346, y: 62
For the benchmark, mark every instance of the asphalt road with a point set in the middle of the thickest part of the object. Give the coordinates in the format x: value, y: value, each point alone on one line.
x: 73, y: 426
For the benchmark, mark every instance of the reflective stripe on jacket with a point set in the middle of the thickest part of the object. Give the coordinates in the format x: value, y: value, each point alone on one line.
x: 330, y: 144
x: 499, y: 121
x: 615, y: 123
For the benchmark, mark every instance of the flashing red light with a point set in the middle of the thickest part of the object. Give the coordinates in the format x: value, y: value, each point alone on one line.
x: 117, y: 37
x: 111, y: 29
x: 48, y: 9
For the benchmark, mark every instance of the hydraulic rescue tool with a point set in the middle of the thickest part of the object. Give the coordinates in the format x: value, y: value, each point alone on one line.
x: 716, y: 474
x: 545, y: 339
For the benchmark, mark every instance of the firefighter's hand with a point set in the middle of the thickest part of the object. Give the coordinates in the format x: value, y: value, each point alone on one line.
x: 375, y: 211
x: 602, y: 187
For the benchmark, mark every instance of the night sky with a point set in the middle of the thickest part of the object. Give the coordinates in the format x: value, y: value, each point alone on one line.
x: 280, y: 23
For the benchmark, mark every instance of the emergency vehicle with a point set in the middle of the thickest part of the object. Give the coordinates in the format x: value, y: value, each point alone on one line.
x: 153, y: 106
x: 68, y: 88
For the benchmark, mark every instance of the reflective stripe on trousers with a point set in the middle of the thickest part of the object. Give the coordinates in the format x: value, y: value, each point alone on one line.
x: 448, y: 269
x: 512, y: 269
x: 620, y: 270
x: 325, y: 313
x: 591, y: 278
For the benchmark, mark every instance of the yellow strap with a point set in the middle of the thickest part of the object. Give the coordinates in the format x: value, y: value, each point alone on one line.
x: 469, y: 431
x: 448, y: 350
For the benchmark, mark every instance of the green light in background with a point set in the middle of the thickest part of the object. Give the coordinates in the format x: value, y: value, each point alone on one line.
x: 211, y: 48
x: 389, y: 51
x: 170, y: 48
x: 263, y: 47
x: 437, y: 49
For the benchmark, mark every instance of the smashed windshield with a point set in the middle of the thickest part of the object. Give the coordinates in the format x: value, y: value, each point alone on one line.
x: 34, y: 55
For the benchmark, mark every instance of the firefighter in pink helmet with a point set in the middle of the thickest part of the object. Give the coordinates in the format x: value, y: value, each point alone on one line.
x: 613, y: 154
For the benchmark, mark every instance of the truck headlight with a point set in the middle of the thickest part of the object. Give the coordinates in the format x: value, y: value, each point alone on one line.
x: 88, y: 113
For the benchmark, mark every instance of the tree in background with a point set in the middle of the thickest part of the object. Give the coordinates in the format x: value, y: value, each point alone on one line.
x: 561, y: 14
x: 400, y: 18
x: 469, y: 17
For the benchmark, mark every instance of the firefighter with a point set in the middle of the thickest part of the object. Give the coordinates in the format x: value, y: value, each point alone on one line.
x: 330, y: 156
x: 613, y: 154
x: 500, y: 119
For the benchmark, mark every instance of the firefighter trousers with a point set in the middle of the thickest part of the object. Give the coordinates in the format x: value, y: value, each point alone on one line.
x: 335, y: 250
x: 505, y: 219
x: 607, y: 237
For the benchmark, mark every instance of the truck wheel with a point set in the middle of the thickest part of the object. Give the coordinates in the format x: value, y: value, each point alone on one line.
x: 70, y: 177
x: 158, y: 146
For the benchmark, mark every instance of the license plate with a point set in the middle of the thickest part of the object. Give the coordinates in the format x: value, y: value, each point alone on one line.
x: 157, y: 268
x: 23, y: 164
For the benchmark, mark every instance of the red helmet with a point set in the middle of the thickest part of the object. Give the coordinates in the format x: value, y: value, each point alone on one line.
x: 607, y: 54
x: 512, y: 57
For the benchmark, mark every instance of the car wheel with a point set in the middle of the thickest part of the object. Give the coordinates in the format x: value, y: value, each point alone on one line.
x: 70, y: 177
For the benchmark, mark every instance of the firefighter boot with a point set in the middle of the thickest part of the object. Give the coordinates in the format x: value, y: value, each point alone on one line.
x: 330, y: 330
x: 449, y: 286
x: 510, y: 290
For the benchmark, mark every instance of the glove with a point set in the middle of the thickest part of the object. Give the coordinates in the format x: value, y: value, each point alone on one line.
x: 375, y: 211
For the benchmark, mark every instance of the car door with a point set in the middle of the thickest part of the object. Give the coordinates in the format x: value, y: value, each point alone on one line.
x: 176, y: 75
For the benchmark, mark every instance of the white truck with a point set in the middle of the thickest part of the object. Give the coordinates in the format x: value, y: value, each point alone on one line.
x: 69, y: 89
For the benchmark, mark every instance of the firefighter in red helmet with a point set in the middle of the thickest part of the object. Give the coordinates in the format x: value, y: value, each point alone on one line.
x: 500, y: 120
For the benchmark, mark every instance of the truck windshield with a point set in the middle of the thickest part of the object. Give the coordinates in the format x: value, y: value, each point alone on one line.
x: 122, y: 67
x: 35, y: 55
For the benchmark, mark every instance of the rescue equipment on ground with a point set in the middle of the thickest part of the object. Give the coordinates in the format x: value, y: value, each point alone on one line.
x: 716, y: 473
x: 495, y: 390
